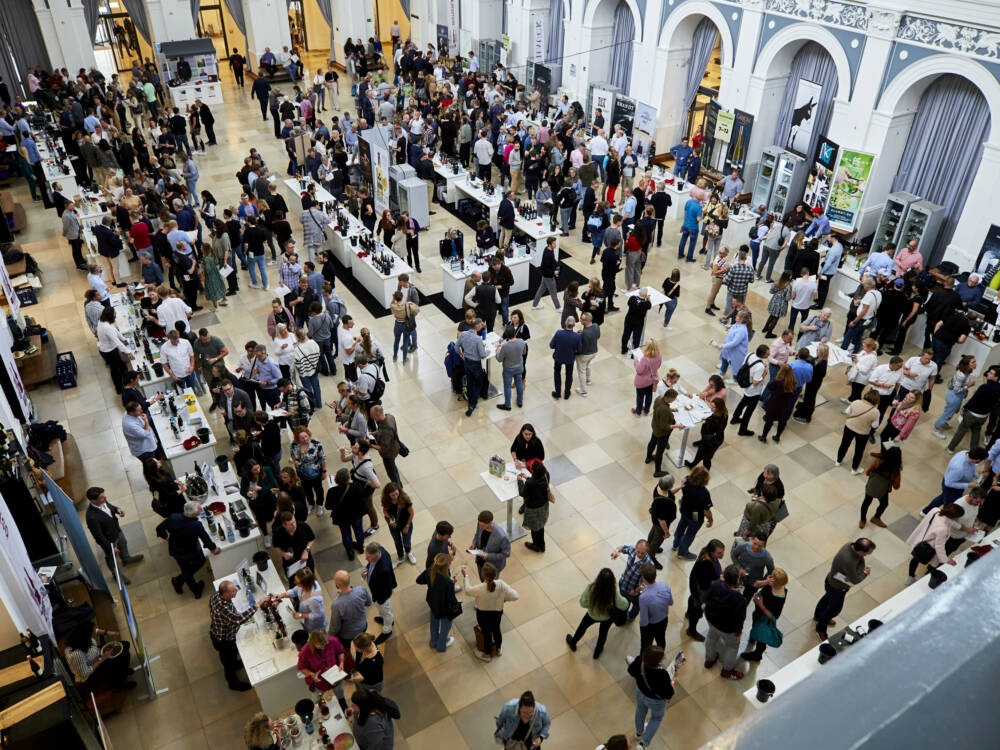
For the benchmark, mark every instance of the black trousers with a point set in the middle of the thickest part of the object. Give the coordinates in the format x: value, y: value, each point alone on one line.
x: 413, y: 253
x: 489, y: 624
x: 602, y: 634
x: 655, y: 632
x: 883, y: 503
x: 238, y: 75
x: 190, y: 566
x: 859, y: 446
x: 210, y: 133
x: 276, y: 119
x: 114, y: 362
x: 190, y: 291
x: 538, y: 538
x: 659, y: 230
x: 77, y: 247
x: 744, y: 410
x: 263, y: 108
x: 694, y: 613
x: 655, y: 448
x: 229, y: 655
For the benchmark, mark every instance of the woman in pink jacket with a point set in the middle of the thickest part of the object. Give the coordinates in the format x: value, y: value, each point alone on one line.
x: 935, y: 528
x: 646, y: 374
x: 902, y: 421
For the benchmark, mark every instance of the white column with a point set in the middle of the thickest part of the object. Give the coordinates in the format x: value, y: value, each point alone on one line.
x: 267, y: 26
x: 520, y: 31
x: 170, y: 20
x: 751, y: 93
x: 886, y: 137
x: 669, y: 74
x: 979, y: 212
x: 64, y: 31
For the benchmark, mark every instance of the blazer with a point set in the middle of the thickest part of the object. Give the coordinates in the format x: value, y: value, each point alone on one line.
x: 497, y: 546
x: 382, y: 580
x: 104, y: 528
x: 184, y: 537
x: 240, y: 398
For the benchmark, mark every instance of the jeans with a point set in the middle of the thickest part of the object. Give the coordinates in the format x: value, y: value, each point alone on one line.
x: 473, y: 381
x: 643, y: 399
x: 684, y: 534
x: 691, y: 236
x: 853, y: 336
x: 655, y: 708
x: 355, y: 527
x: 504, y: 315
x: 768, y: 258
x: 720, y: 644
x: 948, y: 495
x: 515, y: 378
x: 188, y: 381
x: 952, y: 403
x: 668, y: 310
x: 557, y: 375
x: 564, y: 214
x: 399, y: 332
x: 972, y: 424
x: 327, y: 362
x: 182, y: 140
x: 439, y: 632
x: 401, y: 539
x: 311, y: 385
x: 259, y: 262
x: 583, y: 370
x: 797, y: 313
x: 828, y: 606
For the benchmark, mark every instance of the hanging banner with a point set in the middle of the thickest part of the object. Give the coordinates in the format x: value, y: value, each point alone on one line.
x: 624, y: 114
x: 538, y: 35
x: 724, y: 125
x: 604, y: 100
x: 380, y: 165
x: 543, y: 79
x: 849, y: 184
x: 24, y: 594
x: 820, y: 177
x: 807, y: 94
x: 645, y: 118
x: 78, y: 538
x: 365, y: 165
x: 443, y: 43
x: 504, y: 50
x: 736, y: 155
x: 452, y: 17
x: 13, y: 301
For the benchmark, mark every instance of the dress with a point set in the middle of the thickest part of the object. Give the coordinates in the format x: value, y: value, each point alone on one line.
x: 215, y: 286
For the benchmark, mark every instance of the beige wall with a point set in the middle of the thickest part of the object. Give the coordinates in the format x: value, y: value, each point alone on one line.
x: 389, y: 11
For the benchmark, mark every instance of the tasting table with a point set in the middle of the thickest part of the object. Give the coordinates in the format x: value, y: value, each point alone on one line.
x: 322, y: 194
x: 473, y: 188
x: 271, y: 670
x: 450, y: 179
x: 337, y: 726
x: 126, y: 321
x: 537, y: 231
x: 225, y: 488
x: 183, y: 460
x: 689, y: 411
x: 505, y: 489
x: 453, y: 282
x: 380, y: 285
x: 340, y: 245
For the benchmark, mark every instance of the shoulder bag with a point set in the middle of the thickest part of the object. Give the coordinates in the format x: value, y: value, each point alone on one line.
x: 923, y: 552
x: 518, y: 744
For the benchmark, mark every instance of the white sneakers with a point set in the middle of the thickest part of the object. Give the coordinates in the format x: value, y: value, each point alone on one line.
x: 267, y: 541
x: 582, y: 393
x: 910, y: 581
x: 537, y: 307
x: 938, y: 434
x: 412, y: 558
x: 397, y: 562
x: 450, y: 641
x: 855, y: 472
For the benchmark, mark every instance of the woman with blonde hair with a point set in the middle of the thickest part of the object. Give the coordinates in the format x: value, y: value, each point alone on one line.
x: 862, y: 417
x: 257, y: 734
x: 441, y: 600
x: 769, y: 601
x: 646, y: 374
x: 489, y: 596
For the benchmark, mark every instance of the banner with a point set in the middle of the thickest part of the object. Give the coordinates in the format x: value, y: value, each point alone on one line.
x: 603, y: 100
x: 443, y: 43
x: 849, y: 184
x: 504, y: 50
x: 642, y: 147
x: 624, y: 114
x: 8, y: 288
x: 807, y: 95
x: 452, y: 18
x: 538, y: 35
x: 543, y: 79
x: 820, y: 177
x: 365, y: 164
x: 645, y: 118
x: 24, y: 595
x: 380, y: 165
x: 78, y: 539
x: 736, y: 155
x: 724, y: 125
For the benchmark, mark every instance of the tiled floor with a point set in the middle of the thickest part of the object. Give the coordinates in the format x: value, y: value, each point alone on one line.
x: 595, y: 448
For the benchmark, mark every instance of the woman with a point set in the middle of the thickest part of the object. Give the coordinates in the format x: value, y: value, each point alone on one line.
x: 114, y: 349
x: 485, y: 236
x: 522, y: 722
x: 289, y: 484
x: 371, y: 349
x: 309, y: 597
x: 716, y: 388
x: 309, y: 460
x: 711, y: 230
x: 902, y: 420
x: 807, y: 404
x: 526, y: 448
x: 653, y: 688
x: 258, y: 734
x: 706, y: 571
x: 572, y: 303
x: 398, y: 511
x: 279, y: 314
x: 402, y: 313
x: 346, y: 504
x: 522, y: 332
x: 777, y: 306
x: 441, y: 600
x: 222, y: 250
x: 633, y: 257
x: 695, y: 509
x: 864, y: 362
x: 368, y: 671
x: 398, y: 245
x: 537, y: 495
x: 862, y: 417
x: 612, y: 177
x: 321, y: 653
x: 373, y: 715
x: 958, y: 388
x: 489, y: 596
x: 387, y: 227
x: 797, y: 218
x: 91, y: 667
x: 884, y: 476
x: 259, y: 488
x: 167, y: 492
x: 713, y: 431
x: 672, y: 290
x: 781, y: 390
x: 284, y: 349
x: 934, y: 529
x: 769, y: 601
x: 646, y: 368
x: 599, y: 598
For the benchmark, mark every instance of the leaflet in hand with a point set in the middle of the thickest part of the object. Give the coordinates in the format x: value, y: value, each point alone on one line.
x: 334, y: 675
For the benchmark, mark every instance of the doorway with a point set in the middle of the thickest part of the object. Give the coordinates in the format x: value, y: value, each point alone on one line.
x: 118, y: 45
x: 212, y: 24
x: 700, y: 116
x: 297, y: 26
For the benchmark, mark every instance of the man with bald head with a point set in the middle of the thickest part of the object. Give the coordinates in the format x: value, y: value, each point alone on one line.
x: 226, y: 621
x: 347, y: 613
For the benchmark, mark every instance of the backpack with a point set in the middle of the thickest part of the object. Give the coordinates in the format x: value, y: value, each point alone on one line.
x: 753, y: 231
x: 743, y: 374
x: 378, y: 387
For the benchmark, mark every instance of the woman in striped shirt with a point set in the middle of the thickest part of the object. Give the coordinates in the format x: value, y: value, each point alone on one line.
x: 89, y: 664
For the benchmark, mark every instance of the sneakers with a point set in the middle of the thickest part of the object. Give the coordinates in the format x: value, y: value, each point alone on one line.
x: 628, y: 660
x: 483, y: 657
x: 412, y: 558
x: 938, y: 434
x: 570, y: 642
x: 397, y: 562
x: 845, y: 400
x: 451, y: 640
x: 372, y: 530
x: 910, y: 580
x: 582, y: 393
x: 732, y: 674
x: 855, y: 472
x: 836, y: 463
x: 319, y: 510
x: 537, y: 307
x: 267, y: 541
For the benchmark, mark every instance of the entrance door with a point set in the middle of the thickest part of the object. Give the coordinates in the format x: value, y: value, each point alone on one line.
x: 212, y: 24
x: 297, y: 26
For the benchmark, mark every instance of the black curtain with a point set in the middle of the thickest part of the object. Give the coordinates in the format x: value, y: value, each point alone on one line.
x: 22, y: 45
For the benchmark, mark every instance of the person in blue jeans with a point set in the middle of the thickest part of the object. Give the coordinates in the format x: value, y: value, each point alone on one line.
x: 401, y: 311
x: 653, y: 688
x: 695, y: 509
x: 630, y: 579
x: 689, y: 229
x: 959, y: 476
x: 440, y: 599
x: 511, y: 359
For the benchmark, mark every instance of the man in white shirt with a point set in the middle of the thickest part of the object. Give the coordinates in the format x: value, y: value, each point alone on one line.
x: 918, y: 374
x: 599, y: 150
x: 171, y: 310
x: 484, y: 155
x: 964, y: 528
x: 619, y: 141
x: 884, y: 379
x: 178, y: 360
x: 473, y: 62
x: 751, y: 396
x: 346, y: 344
x: 804, y: 292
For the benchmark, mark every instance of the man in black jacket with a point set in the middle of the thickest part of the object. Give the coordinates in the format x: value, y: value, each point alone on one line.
x: 102, y: 520
x: 185, y: 536
x: 942, y: 302
x: 588, y: 204
x: 725, y: 611
x: 207, y: 121
x: 505, y: 219
x: 381, y: 581
x: 660, y: 203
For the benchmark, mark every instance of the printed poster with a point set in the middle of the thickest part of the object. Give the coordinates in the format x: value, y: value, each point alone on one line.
x: 624, y: 114
x: 25, y: 597
x: 849, y: 183
x: 800, y: 131
x: 605, y: 101
x: 538, y: 35
x: 8, y: 289
x: 736, y: 155
x: 820, y: 179
x: 645, y: 118
x: 724, y: 125
x: 380, y: 165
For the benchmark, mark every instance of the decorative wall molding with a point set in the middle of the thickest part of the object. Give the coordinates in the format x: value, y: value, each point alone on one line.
x: 968, y: 40
x: 849, y: 15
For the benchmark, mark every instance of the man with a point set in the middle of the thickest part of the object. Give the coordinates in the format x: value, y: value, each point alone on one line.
x: 589, y: 336
x: 236, y: 63
x: 682, y: 155
x: 225, y: 623
x: 977, y: 409
x: 138, y: 432
x: 489, y: 544
x: 628, y: 210
x: 655, y: 600
x: 294, y: 542
x: 191, y: 174
x: 102, y: 520
x: 347, y: 613
x: 346, y: 346
x: 725, y: 612
x: 505, y: 219
x: 954, y: 329
x: 848, y: 568
x: 756, y: 362
x: 663, y: 509
x: 970, y: 292
x: 565, y: 345
x: 171, y: 310
x: 880, y: 262
x: 73, y: 233
x: 232, y: 398
x: 731, y: 185
x: 661, y: 204
x: 500, y: 276
x: 412, y: 231
x: 737, y: 280
x: 858, y: 327
x: 959, y: 476
x: 483, y: 150
x: 549, y: 270
x: 820, y: 225
x: 178, y: 126
x: 661, y: 425
x: 628, y: 581
x: 918, y: 375
x: 362, y: 473
x: 185, y: 536
x: 388, y: 444
x: 209, y: 350
x: 755, y: 564
x: 296, y: 402
x: 827, y: 269
x: 266, y: 375
x: 178, y: 360
x: 484, y: 298
x: 588, y: 205
x: 939, y: 305
x: 884, y: 379
x: 510, y: 357
x: 689, y: 228
x: 472, y: 351
x: 381, y: 581
x: 965, y: 528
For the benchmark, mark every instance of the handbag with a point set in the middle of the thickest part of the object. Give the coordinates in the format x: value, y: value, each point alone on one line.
x: 923, y: 552
x: 480, y: 641
x: 454, y: 610
x: 781, y: 513
x: 766, y: 631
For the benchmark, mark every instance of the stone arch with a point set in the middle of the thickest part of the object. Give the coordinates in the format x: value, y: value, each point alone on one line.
x: 687, y: 17
x: 781, y: 48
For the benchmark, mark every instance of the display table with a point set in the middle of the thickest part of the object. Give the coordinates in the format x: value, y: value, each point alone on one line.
x: 340, y: 245
x: 322, y: 194
x: 337, y: 726
x: 505, y: 489
x: 40, y: 366
x: 677, y: 199
x: 790, y: 675
x: 537, y: 232
x: 738, y: 231
x: 381, y: 286
x: 474, y: 189
x: 224, y: 488
x: 453, y: 282
x: 845, y: 281
x: 450, y: 179
x: 272, y: 671
x: 56, y: 170
x: 181, y: 459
